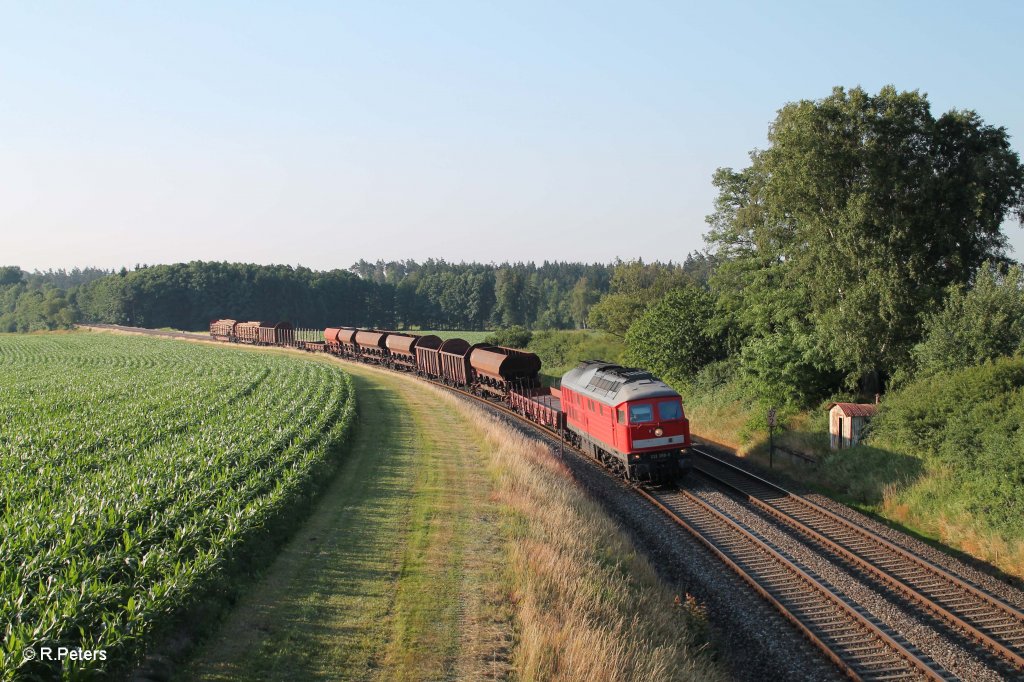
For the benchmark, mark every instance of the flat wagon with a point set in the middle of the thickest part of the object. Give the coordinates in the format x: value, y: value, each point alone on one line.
x: 542, y: 405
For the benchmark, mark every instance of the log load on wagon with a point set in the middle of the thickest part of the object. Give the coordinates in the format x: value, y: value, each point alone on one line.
x: 223, y: 330
x: 248, y: 332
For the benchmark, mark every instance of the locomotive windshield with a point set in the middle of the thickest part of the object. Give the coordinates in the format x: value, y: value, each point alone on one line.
x: 670, y: 409
x: 641, y: 414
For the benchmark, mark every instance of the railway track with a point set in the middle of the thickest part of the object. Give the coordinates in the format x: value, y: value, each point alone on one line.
x: 845, y: 632
x: 842, y: 630
x: 996, y: 627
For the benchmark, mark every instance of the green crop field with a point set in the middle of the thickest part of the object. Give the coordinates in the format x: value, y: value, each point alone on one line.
x: 133, y: 473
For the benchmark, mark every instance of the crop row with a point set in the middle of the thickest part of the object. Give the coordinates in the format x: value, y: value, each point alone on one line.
x: 133, y: 471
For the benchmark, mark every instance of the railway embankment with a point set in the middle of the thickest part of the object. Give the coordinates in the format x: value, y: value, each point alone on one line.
x: 452, y: 546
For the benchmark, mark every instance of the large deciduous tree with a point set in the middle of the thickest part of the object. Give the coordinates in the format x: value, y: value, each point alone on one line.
x: 675, y: 337
x: 859, y: 215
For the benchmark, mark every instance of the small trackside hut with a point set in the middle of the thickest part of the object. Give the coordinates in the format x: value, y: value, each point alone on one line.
x: 847, y: 421
x: 627, y: 419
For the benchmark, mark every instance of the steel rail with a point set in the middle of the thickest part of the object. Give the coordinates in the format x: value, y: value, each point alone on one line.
x: 855, y: 645
x: 1007, y: 618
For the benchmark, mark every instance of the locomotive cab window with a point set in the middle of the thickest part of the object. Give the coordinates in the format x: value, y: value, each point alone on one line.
x: 670, y: 409
x: 622, y: 416
x: 641, y: 414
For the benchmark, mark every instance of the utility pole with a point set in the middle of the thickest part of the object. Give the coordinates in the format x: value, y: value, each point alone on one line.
x: 772, y: 414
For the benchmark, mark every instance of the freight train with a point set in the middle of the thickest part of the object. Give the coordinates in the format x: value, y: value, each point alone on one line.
x: 627, y: 419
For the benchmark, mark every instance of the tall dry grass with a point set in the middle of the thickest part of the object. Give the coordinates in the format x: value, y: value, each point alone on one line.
x: 587, y: 605
x: 960, y: 530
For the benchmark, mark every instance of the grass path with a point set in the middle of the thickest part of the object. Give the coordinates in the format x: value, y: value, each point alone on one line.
x: 395, y: 574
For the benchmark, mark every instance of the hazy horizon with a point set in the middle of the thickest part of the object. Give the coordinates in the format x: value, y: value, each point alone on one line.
x: 322, y: 134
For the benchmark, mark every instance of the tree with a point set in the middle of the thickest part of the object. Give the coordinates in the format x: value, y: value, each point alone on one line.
x: 859, y: 215
x: 634, y: 286
x: 9, y: 274
x: 582, y: 297
x: 675, y: 338
x: 980, y: 323
x: 515, y: 296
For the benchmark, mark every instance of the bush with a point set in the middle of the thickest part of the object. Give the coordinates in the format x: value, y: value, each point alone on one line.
x: 976, y: 324
x: 965, y: 426
x: 560, y: 351
x: 673, y: 338
x: 511, y: 337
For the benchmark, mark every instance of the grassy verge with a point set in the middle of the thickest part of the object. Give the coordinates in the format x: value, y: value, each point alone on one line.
x: 383, y: 580
x: 587, y: 606
x: 451, y: 547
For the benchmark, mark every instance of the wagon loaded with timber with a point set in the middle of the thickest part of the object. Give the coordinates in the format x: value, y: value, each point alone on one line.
x: 223, y: 330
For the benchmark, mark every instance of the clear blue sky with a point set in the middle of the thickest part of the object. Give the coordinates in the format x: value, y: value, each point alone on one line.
x: 321, y: 133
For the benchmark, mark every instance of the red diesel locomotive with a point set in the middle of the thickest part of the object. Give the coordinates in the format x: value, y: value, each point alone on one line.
x: 627, y: 419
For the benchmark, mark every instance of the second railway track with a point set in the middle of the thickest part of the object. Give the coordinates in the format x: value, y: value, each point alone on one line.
x: 849, y: 637
x: 995, y: 627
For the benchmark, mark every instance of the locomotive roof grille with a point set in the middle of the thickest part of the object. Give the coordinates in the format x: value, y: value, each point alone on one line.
x: 614, y: 383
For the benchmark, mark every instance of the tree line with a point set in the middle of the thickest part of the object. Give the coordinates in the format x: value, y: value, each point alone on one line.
x: 400, y: 294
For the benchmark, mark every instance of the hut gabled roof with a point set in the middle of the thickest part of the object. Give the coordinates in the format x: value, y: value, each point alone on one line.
x: 856, y: 409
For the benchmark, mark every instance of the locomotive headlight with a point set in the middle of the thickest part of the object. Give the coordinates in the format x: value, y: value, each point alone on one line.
x: 659, y: 431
